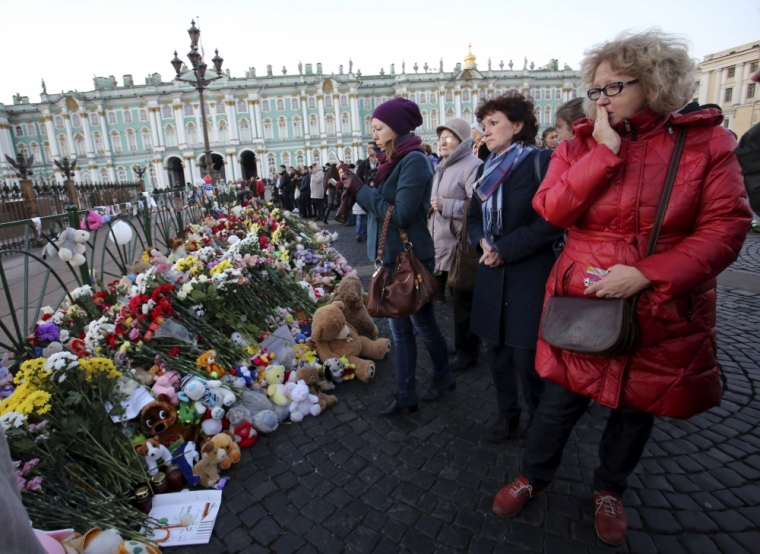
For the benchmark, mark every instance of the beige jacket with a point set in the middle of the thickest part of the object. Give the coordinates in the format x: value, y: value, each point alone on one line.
x: 453, y: 181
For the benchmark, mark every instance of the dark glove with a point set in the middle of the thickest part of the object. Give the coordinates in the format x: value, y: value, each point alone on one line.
x: 351, y: 181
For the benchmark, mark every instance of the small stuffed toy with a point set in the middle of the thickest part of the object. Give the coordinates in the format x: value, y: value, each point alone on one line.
x: 199, y: 391
x: 92, y: 221
x: 207, y: 362
x: 351, y: 293
x: 334, y: 370
x: 185, y: 457
x: 152, y: 451
x: 264, y: 420
x: 71, y: 246
x: 212, y: 425
x: 240, y: 424
x: 207, y: 468
x: 302, y: 403
x: 159, y: 419
x: 6, y: 378
x: 227, y: 443
x: 313, y: 378
x: 168, y: 384
x: 334, y: 337
x: 275, y: 376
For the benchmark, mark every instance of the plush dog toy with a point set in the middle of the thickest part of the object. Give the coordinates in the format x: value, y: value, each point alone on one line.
x: 207, y: 468
x: 152, y: 451
x: 167, y: 384
x: 334, y: 337
x: 70, y: 246
x: 351, y: 293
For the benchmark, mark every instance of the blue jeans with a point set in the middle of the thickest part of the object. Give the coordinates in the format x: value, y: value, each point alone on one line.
x: 361, y: 225
x: 402, y: 329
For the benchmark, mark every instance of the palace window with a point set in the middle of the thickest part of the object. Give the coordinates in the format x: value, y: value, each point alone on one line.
x: 152, y: 175
x: 22, y: 150
x: 220, y: 107
x: 368, y: 125
x: 170, y: 135
x: 94, y: 119
x: 282, y: 128
x: 187, y: 109
x: 241, y: 106
x: 433, y: 98
x: 116, y: 142
x: 330, y: 124
x: 268, y: 135
x: 332, y: 156
x: 206, y: 107
x: 465, y: 95
x: 86, y: 176
x: 751, y: 90
x: 575, y: 93
x: 166, y: 111
x: 313, y: 126
x: 75, y: 120
x: 315, y: 157
x: 58, y: 122
x: 36, y: 152
x: 280, y: 105
x: 131, y: 141
x: 731, y: 72
x: 121, y: 174
x: 557, y: 94
x: 433, y: 119
x: 753, y: 67
x: 111, y: 117
x: 286, y: 159
x: 128, y: 116
x: 146, y: 139
x: 103, y: 175
x: 467, y: 115
x: 192, y: 134
x: 265, y: 105
x: 97, y: 140
x: 425, y: 120
x: 245, y: 131
x: 63, y: 146
x: 328, y: 101
x: 142, y: 116
x: 345, y: 123
x: 79, y: 145
x: 344, y: 101
x: 18, y: 131
x: 300, y: 161
x: 367, y: 104
x: 297, y: 128
x: 449, y: 95
x: 223, y: 131
x: 537, y: 113
x: 449, y: 113
x: 294, y: 103
x: 46, y: 150
x: 311, y: 103
x: 348, y: 157
x: 43, y: 129
x: 729, y: 95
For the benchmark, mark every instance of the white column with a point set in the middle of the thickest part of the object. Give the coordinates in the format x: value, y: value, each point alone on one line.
x: 264, y: 165
x: 458, y: 100
x: 309, y: 161
x: 163, y: 178
x: 305, y: 115
x: 232, y: 164
x: 254, y: 120
x: 87, y: 138
x: 104, y: 131
x: 441, y: 104
x: 704, y: 87
x: 739, y: 94
x: 69, y: 134
x: 51, y: 137
x: 214, y: 128
x: 153, y: 131
x: 3, y: 163
x: 192, y: 167
x: 355, y: 124
x: 232, y: 119
x: 111, y: 173
x: 159, y: 126
x: 716, y: 86
x: 198, y: 128
x: 324, y: 154
x: 260, y: 167
x: 321, y: 107
x: 179, y: 123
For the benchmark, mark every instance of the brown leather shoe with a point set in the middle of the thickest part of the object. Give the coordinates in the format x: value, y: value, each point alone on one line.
x: 611, y: 523
x: 513, y: 497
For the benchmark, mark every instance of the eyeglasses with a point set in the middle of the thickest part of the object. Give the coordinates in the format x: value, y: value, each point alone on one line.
x: 447, y: 140
x: 613, y: 89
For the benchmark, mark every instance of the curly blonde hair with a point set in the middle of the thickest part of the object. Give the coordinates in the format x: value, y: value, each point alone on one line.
x: 659, y: 61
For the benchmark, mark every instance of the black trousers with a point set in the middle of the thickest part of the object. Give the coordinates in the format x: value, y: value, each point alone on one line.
x: 304, y: 205
x: 620, y: 449
x: 318, y: 207
x: 465, y: 341
x: 508, y: 366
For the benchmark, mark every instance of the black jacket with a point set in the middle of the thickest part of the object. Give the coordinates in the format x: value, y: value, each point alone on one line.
x: 748, y: 153
x: 508, y: 300
x: 286, y: 183
x: 365, y: 172
x: 305, y: 187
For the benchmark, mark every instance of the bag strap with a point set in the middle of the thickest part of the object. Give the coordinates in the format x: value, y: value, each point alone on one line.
x: 383, y: 235
x: 464, y: 244
x: 662, y: 208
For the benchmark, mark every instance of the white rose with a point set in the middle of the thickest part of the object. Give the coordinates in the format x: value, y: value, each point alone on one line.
x: 202, y: 279
x: 182, y: 294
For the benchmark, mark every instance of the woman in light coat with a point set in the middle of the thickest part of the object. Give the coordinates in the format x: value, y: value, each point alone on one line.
x: 318, y: 191
x: 452, y: 186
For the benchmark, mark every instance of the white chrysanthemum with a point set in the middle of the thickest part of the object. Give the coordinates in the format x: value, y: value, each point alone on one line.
x: 84, y: 290
x: 12, y: 420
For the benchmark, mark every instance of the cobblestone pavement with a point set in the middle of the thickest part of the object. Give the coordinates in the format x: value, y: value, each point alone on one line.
x: 350, y: 481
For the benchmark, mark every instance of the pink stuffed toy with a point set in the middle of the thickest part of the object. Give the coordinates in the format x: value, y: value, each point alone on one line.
x: 92, y: 221
x: 168, y: 384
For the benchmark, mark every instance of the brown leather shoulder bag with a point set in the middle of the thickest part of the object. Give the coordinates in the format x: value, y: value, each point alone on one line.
x: 404, y: 291
x: 603, y: 326
x: 464, y: 263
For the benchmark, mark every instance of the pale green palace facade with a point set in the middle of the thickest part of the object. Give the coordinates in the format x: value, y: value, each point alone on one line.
x: 255, y: 123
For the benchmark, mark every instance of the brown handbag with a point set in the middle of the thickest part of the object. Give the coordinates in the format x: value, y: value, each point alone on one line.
x: 464, y: 263
x: 603, y: 326
x: 408, y: 289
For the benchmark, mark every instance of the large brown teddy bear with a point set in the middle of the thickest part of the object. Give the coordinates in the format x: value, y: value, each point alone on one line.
x: 333, y: 337
x: 159, y: 419
x: 317, y: 385
x: 351, y: 293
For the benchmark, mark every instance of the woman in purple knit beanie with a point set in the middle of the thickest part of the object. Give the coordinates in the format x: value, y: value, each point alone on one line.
x: 404, y: 180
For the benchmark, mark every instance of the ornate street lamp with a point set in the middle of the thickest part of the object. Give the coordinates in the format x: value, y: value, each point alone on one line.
x: 200, y: 82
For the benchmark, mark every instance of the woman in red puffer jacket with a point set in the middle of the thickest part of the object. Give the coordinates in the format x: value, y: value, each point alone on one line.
x: 605, y: 185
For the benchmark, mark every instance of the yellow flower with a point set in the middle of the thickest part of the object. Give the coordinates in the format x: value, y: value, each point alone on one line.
x: 95, y: 366
x: 221, y: 266
x: 124, y: 347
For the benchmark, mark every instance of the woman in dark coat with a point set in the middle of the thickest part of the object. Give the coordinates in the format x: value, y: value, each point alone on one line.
x: 517, y: 256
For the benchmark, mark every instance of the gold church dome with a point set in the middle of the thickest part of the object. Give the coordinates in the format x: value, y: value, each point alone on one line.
x: 469, y: 59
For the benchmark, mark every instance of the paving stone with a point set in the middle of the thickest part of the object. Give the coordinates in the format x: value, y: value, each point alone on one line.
x: 695, y: 522
x: 731, y: 521
x: 266, y: 531
x: 417, y: 542
x: 526, y: 536
x: 362, y: 539
x: 454, y: 537
x: 288, y: 543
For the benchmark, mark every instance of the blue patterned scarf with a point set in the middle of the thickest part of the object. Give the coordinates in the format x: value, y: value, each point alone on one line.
x: 495, y: 172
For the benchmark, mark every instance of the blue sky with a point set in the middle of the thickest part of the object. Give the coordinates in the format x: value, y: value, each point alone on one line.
x: 67, y: 42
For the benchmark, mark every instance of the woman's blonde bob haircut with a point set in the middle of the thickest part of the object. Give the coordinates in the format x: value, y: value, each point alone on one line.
x: 658, y: 60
